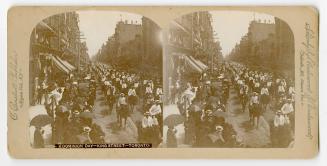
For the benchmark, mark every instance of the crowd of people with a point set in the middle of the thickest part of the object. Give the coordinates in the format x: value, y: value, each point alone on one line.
x: 266, y: 91
x: 127, y: 92
x: 70, y: 102
x: 70, y: 105
x: 204, y: 104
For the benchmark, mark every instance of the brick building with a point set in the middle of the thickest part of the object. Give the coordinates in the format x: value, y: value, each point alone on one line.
x: 56, y: 49
x: 269, y: 46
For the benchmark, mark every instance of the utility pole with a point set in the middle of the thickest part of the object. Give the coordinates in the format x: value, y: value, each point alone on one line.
x: 213, y: 47
x: 192, y: 31
x: 59, y: 40
x: 79, y: 36
x: 79, y: 56
x: 212, y: 54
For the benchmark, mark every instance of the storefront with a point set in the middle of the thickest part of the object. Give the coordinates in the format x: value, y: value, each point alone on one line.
x: 45, y: 64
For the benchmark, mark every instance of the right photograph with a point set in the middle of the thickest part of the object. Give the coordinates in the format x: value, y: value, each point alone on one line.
x: 228, y: 81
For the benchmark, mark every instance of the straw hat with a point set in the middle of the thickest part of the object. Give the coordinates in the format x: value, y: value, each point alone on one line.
x: 209, y: 111
x: 219, y: 128
x: 76, y: 112
x: 147, y: 113
x: 87, y: 129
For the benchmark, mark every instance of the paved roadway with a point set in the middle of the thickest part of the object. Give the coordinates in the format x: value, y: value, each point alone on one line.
x: 252, y: 137
x: 113, y: 134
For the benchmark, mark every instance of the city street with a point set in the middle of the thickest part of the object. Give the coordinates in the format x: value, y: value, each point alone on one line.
x: 33, y: 112
x: 173, y: 110
x: 251, y: 137
x: 76, y: 76
x: 84, y: 87
x: 113, y: 134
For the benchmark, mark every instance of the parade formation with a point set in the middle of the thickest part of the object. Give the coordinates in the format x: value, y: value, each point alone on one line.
x: 72, y: 104
x: 206, y: 105
x: 106, y: 98
x: 243, y: 98
x: 127, y: 93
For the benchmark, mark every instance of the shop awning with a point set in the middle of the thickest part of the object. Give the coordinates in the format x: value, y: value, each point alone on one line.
x: 67, y: 64
x: 189, y: 63
x: 70, y: 66
x: 199, y: 63
x: 45, y: 26
x: 59, y: 65
x: 180, y: 26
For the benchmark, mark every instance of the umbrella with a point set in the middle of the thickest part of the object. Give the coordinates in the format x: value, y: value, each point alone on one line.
x: 41, y: 120
x: 86, y: 115
x: 174, y: 120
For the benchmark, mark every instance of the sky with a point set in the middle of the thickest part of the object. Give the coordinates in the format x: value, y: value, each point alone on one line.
x: 230, y: 26
x: 97, y: 26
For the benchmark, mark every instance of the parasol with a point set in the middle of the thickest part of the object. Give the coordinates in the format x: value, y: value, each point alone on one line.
x: 41, y: 120
x: 174, y: 120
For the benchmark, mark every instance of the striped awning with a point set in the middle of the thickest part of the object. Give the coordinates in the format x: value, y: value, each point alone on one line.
x: 189, y: 62
x: 180, y: 26
x: 59, y: 65
x: 62, y: 65
x: 66, y: 64
x: 45, y: 26
x: 192, y: 64
x: 199, y: 63
x: 70, y: 66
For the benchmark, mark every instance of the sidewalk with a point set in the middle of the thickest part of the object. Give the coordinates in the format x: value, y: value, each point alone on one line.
x: 252, y: 137
x: 33, y: 112
x: 173, y: 110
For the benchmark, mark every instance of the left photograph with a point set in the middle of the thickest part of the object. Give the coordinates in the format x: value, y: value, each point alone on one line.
x: 95, y: 77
